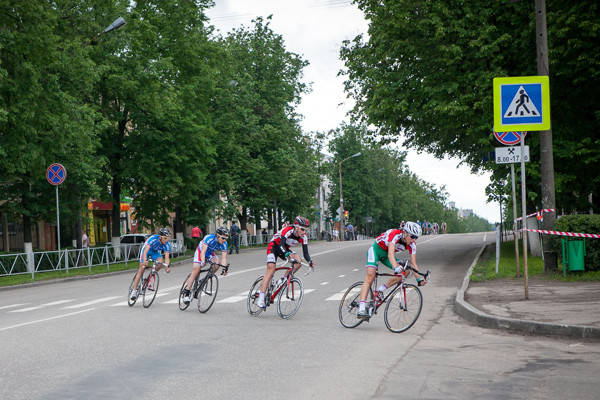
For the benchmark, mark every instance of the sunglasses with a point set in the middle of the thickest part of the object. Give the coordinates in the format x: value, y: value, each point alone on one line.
x: 413, y: 237
x: 222, y: 237
x: 302, y: 229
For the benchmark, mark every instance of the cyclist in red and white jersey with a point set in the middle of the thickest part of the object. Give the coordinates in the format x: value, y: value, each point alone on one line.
x: 279, y: 247
x: 384, y: 250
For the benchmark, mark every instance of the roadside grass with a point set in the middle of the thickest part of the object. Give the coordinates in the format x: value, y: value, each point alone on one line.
x: 21, y: 279
x: 485, y: 269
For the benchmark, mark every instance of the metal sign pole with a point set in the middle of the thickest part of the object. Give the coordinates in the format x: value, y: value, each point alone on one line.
x: 57, y: 222
x: 524, y: 212
x: 514, y: 201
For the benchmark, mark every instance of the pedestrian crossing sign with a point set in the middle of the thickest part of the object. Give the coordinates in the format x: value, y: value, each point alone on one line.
x: 522, y: 103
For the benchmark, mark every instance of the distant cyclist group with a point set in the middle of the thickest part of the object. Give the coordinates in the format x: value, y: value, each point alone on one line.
x: 211, y: 254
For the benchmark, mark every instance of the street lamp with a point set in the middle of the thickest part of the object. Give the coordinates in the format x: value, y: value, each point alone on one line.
x: 342, y: 224
x: 119, y: 22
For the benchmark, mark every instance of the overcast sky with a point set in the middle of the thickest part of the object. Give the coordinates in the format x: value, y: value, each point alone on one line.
x: 315, y: 30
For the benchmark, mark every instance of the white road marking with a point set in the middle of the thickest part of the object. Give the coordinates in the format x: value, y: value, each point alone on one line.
x: 53, y: 303
x: 13, y: 306
x: 324, y: 283
x: 46, y: 319
x: 89, y: 303
x: 338, y: 296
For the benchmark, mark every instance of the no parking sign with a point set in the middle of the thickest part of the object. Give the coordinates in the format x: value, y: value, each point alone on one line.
x: 509, y: 138
x: 56, y: 174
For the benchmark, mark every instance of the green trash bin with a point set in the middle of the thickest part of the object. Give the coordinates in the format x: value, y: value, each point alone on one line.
x: 575, y: 255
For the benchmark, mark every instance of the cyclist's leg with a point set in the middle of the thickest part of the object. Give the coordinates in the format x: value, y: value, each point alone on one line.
x: 195, y: 270
x: 159, y: 261
x: 271, y: 265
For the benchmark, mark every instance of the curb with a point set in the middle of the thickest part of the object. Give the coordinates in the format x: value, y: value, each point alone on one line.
x: 481, y: 319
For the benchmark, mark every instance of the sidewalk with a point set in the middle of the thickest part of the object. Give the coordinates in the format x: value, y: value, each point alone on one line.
x: 555, y: 308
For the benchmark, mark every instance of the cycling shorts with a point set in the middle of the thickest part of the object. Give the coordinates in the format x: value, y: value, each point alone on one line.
x: 274, y: 251
x: 376, y: 255
x: 152, y: 254
x: 207, y: 256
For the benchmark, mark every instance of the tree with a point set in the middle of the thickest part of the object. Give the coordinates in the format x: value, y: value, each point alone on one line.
x: 426, y: 72
x: 43, y: 120
x: 262, y: 147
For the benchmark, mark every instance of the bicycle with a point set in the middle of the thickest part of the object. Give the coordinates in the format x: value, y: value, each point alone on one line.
x: 205, y: 289
x: 403, y: 302
x: 289, y: 292
x: 148, y: 285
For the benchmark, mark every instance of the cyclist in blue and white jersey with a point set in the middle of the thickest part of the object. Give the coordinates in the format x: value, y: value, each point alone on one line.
x: 152, y: 249
x: 207, y: 250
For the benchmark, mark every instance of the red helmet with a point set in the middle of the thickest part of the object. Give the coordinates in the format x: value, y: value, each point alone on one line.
x: 303, y: 222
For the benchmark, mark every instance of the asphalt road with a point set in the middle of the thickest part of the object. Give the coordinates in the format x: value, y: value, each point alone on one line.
x: 79, y: 339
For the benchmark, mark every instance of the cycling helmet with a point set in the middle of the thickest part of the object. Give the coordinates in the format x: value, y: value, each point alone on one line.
x: 412, y: 229
x: 301, y: 221
x: 222, y: 231
x: 164, y: 232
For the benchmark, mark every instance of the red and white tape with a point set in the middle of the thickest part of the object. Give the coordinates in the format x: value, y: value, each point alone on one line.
x: 545, y: 210
x: 571, y: 234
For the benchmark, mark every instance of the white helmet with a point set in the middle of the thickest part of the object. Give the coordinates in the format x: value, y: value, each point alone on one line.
x: 412, y: 229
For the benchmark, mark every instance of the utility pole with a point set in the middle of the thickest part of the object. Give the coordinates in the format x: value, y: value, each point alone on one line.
x: 546, y: 152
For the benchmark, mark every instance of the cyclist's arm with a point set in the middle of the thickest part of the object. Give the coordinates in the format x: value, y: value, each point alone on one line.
x: 305, y: 251
x: 167, y: 261
x: 413, y: 262
x: 145, y: 255
x: 203, y: 253
x: 392, y: 255
x: 282, y: 244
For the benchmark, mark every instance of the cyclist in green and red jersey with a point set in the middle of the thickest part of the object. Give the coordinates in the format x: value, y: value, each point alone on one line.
x: 384, y: 250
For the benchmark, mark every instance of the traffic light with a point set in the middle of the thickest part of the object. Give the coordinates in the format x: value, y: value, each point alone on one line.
x: 345, y: 214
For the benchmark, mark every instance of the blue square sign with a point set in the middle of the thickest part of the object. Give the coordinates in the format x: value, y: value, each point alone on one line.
x: 521, y: 104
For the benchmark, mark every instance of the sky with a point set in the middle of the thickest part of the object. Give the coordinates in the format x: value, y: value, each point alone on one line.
x: 315, y: 29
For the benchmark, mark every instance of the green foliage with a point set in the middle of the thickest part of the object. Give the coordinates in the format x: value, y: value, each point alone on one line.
x: 485, y: 269
x: 378, y: 184
x: 426, y: 71
x: 580, y: 224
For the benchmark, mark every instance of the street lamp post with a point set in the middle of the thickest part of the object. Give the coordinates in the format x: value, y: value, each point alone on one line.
x: 342, y: 224
x: 119, y: 22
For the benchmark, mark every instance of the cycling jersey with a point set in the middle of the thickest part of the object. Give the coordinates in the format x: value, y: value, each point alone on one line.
x: 155, y: 248
x: 213, y: 246
x: 283, y: 240
x: 395, y: 237
x: 290, y: 238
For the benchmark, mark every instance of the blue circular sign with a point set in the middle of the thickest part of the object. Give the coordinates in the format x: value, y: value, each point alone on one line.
x: 56, y: 174
x: 509, y: 138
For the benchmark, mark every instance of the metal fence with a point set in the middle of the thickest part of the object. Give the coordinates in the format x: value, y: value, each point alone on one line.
x: 70, y: 259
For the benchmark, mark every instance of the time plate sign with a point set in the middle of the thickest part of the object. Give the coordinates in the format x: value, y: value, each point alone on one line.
x: 510, y: 155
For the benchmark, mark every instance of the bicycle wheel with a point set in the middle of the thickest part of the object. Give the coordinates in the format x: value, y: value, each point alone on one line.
x: 129, y: 300
x: 401, y: 312
x: 349, y: 305
x: 208, y: 293
x: 253, y: 309
x: 150, y: 288
x: 290, y: 298
x: 182, y: 305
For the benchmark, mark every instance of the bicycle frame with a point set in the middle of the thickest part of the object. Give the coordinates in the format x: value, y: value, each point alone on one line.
x: 284, y: 266
x: 401, y: 282
x: 209, y: 273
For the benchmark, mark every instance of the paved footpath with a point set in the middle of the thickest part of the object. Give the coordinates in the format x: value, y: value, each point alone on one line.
x: 555, y: 308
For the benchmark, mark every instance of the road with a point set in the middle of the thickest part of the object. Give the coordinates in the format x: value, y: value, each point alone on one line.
x: 79, y: 339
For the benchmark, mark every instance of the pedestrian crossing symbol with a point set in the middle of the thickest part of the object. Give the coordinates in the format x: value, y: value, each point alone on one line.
x: 521, y: 104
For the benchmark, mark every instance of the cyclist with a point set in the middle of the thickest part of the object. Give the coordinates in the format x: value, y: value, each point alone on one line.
x: 383, y: 250
x: 207, y: 249
x: 152, y: 249
x: 279, y: 246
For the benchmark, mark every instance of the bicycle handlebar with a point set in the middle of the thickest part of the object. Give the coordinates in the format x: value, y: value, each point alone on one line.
x: 294, y: 261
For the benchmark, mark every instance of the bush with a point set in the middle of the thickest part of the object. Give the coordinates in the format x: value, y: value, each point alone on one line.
x: 580, y: 224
